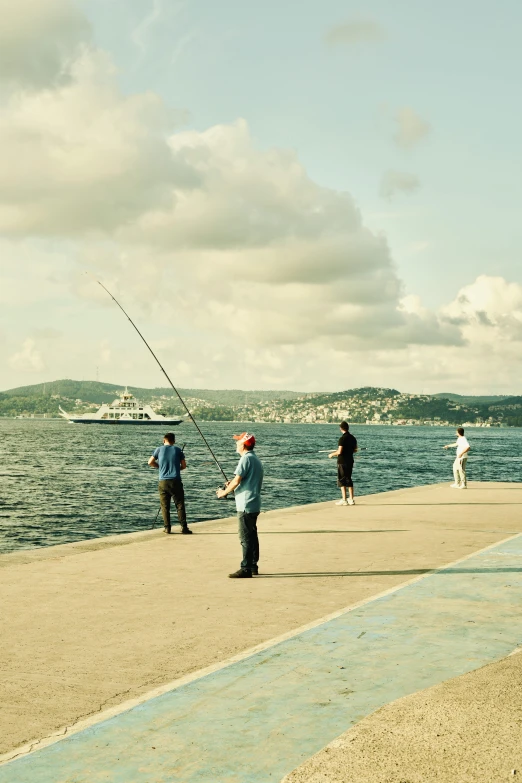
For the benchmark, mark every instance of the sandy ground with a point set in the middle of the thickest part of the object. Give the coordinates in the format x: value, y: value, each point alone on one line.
x: 87, y: 626
x: 467, y: 730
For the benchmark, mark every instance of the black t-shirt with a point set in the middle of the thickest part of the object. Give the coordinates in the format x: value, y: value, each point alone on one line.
x: 349, y: 444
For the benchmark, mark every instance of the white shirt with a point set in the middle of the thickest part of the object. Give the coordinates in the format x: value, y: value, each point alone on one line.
x: 462, y: 445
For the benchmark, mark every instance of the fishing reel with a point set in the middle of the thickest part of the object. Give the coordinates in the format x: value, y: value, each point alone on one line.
x: 227, y: 497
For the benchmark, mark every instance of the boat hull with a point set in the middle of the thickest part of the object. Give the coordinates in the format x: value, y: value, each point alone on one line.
x: 127, y: 422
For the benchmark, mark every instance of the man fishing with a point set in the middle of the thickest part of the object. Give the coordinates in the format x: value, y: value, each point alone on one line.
x: 461, y: 458
x: 346, y: 448
x: 170, y: 461
x: 246, y: 486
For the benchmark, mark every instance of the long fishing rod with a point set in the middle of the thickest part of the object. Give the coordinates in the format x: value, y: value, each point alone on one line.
x: 298, y: 454
x: 286, y: 454
x: 191, y: 417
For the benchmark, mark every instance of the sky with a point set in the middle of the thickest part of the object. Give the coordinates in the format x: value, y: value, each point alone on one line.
x: 303, y: 194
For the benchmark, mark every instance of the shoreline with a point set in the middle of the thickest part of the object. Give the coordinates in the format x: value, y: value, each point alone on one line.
x: 467, y: 425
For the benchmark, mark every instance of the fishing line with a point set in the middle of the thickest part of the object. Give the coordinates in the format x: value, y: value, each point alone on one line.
x: 287, y: 454
x: 191, y: 417
x: 298, y: 453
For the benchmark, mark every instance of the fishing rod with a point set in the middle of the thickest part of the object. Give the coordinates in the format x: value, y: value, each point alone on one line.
x: 297, y: 454
x: 191, y: 417
x: 269, y: 456
x: 287, y: 454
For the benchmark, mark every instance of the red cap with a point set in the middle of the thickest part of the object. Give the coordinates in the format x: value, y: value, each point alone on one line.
x: 246, y: 438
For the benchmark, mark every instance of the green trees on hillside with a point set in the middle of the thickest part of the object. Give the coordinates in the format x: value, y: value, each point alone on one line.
x: 15, y: 406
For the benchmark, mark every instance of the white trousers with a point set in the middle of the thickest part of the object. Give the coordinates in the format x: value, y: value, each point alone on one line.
x: 459, y: 471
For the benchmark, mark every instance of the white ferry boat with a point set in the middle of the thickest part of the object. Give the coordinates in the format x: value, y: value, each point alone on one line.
x: 125, y: 410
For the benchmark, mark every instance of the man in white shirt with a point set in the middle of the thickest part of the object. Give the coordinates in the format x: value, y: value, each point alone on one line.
x: 459, y: 466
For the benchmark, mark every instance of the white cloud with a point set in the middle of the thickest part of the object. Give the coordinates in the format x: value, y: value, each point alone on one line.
x: 415, y: 248
x: 83, y: 157
x: 38, y: 39
x: 394, y: 182
x: 354, y: 32
x: 140, y: 33
x: 221, y: 248
x: 28, y: 358
x: 489, y: 311
x: 105, y: 352
x: 241, y: 231
x: 258, y: 238
x: 411, y: 128
x: 184, y: 370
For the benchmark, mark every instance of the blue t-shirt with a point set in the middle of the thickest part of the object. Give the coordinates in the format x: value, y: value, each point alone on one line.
x: 248, y: 494
x: 169, y: 460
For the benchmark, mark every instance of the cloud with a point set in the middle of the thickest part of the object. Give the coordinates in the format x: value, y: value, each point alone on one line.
x: 28, y: 358
x: 394, y: 182
x: 82, y: 156
x: 411, y: 128
x: 228, y: 230
x: 258, y: 239
x: 354, y: 32
x: 414, y: 248
x: 488, y: 311
x: 48, y: 334
x: 38, y: 39
x: 140, y: 33
x: 221, y: 247
x: 105, y: 352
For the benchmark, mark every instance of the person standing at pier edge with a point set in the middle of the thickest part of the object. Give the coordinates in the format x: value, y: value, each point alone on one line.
x: 246, y: 486
x: 170, y: 461
x: 459, y: 466
x: 346, y: 448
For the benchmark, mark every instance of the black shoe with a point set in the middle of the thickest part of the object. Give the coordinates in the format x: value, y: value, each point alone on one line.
x: 167, y: 530
x: 241, y: 574
x: 255, y: 571
x: 185, y: 531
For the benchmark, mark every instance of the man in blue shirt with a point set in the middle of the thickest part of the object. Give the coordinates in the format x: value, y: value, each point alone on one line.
x: 170, y: 461
x: 246, y: 485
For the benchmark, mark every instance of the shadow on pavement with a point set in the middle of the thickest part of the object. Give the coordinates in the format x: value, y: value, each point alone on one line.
x: 410, y: 572
x: 299, y: 532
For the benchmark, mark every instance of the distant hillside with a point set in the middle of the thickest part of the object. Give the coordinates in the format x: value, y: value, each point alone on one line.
x: 366, y: 405
x: 469, y: 399
x: 97, y: 392
x: 368, y: 392
x: 508, y: 402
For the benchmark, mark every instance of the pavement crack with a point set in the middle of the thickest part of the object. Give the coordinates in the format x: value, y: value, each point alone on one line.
x: 63, y: 732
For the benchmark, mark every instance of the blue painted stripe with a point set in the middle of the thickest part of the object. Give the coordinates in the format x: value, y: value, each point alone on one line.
x: 257, y: 719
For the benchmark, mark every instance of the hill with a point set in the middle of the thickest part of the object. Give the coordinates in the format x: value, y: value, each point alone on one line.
x: 469, y: 399
x: 98, y: 392
x: 366, y: 405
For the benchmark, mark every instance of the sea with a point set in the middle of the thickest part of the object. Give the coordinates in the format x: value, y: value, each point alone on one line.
x: 61, y: 482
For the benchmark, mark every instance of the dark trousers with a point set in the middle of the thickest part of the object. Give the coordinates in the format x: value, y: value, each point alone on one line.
x: 344, y: 474
x: 172, y: 488
x: 249, y: 539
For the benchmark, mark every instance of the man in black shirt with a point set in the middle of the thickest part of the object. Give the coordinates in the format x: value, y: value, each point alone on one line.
x: 345, y: 450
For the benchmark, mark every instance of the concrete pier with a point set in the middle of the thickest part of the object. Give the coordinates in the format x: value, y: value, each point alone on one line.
x: 134, y: 658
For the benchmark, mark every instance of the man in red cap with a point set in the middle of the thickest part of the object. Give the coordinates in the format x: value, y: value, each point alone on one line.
x: 246, y: 485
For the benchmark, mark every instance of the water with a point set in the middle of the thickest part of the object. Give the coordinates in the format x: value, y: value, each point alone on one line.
x: 61, y: 482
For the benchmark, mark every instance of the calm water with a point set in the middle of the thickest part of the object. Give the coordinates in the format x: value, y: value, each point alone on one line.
x: 61, y: 482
